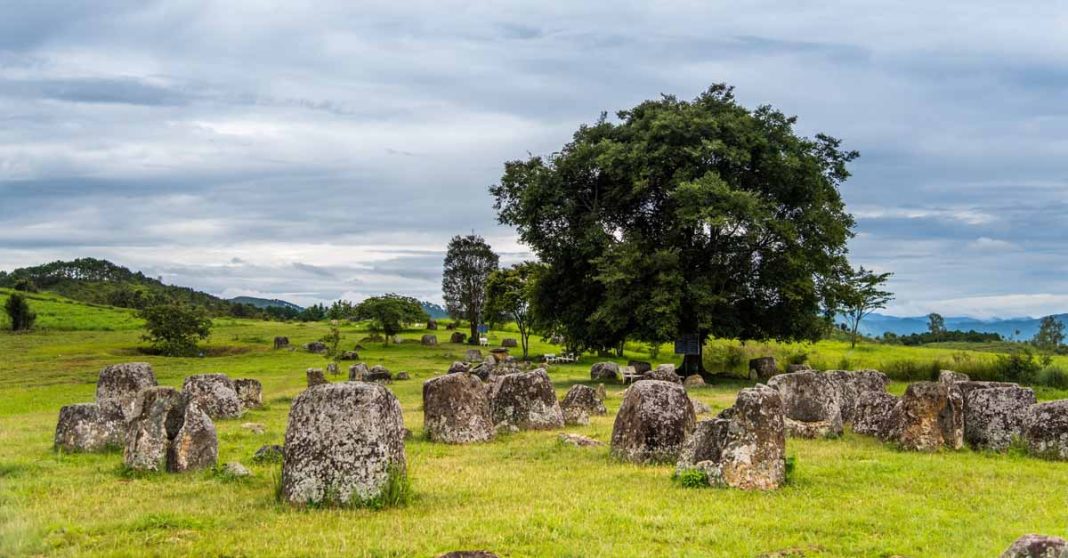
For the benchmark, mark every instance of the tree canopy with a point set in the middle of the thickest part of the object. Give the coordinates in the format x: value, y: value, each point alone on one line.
x: 509, y: 292
x: 1050, y: 335
x: 468, y: 264
x: 19, y: 313
x: 389, y: 313
x: 684, y: 217
x: 861, y: 294
x: 174, y: 328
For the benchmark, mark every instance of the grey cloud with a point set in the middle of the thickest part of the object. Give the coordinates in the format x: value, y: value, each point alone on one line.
x: 245, y: 137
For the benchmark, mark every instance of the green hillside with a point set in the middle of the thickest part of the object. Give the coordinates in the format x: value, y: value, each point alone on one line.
x: 59, y: 313
x: 102, y: 282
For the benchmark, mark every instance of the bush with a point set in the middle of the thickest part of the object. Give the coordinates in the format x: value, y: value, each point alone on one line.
x: 1018, y: 366
x: 691, y: 478
x: 18, y: 311
x: 1053, y: 377
x: 25, y: 285
x: 174, y: 329
x: 726, y: 357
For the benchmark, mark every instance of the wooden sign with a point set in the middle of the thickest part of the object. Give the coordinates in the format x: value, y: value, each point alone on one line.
x: 688, y: 344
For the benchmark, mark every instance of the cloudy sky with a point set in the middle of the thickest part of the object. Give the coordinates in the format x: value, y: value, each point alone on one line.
x: 314, y: 152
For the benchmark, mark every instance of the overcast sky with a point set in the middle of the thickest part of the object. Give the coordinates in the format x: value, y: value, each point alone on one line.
x: 310, y: 153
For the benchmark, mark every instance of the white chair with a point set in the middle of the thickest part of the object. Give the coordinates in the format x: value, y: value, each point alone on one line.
x: 630, y: 374
x: 484, y: 341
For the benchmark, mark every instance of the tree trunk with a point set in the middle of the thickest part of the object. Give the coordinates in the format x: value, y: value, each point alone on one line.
x: 474, y: 333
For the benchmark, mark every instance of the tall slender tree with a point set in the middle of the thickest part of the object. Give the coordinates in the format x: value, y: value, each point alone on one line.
x: 468, y: 264
x: 862, y: 294
x: 936, y: 324
x: 509, y: 292
x: 1050, y: 334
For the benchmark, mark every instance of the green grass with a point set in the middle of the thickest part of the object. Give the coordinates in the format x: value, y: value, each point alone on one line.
x: 521, y: 495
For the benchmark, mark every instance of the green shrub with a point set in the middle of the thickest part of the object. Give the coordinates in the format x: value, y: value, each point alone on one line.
x: 19, y: 313
x: 691, y: 478
x: 1018, y: 366
x: 174, y: 329
x: 1053, y: 377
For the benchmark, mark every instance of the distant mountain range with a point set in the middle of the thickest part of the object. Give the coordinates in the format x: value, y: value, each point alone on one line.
x: 434, y: 310
x: 1010, y: 328
x: 265, y: 302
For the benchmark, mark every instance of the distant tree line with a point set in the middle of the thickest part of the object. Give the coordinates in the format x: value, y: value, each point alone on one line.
x: 943, y: 336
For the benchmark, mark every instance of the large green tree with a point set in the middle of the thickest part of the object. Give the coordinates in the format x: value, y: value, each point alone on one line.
x: 468, y: 264
x: 509, y: 293
x: 389, y: 313
x: 684, y: 217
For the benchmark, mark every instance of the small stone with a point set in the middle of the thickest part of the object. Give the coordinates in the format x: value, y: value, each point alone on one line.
x: 604, y: 371
x: 459, y: 368
x: 763, y: 368
x: 378, y: 373
x: 357, y: 372
x: 250, y: 392
x: 88, y: 427
x: 457, y: 337
x: 700, y: 408
x: 693, y: 381
x: 215, y: 394
x: 281, y: 342
x: 456, y: 410
x: 928, y: 417
x: 526, y: 400
x: 119, y: 385
x: 580, y: 403
x: 851, y: 385
x: 332, y: 369
x: 315, y: 347
x: 663, y: 372
x: 949, y: 377
x: 579, y: 440
x: 473, y: 355
x: 316, y: 377
x: 790, y: 368
x: 811, y: 402
x: 1037, y: 546
x: 872, y: 413
x: 1047, y: 430
x: 236, y: 470
x: 349, y: 355
x: 640, y: 366
x: 431, y: 324
x: 401, y: 376
x: 268, y: 454
x: 429, y: 340
x: 509, y: 343
x: 254, y: 427
x: 196, y: 445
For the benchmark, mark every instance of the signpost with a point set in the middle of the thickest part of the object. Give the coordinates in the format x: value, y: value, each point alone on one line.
x: 689, y: 346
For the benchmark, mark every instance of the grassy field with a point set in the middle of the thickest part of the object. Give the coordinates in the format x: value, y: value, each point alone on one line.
x: 520, y: 495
